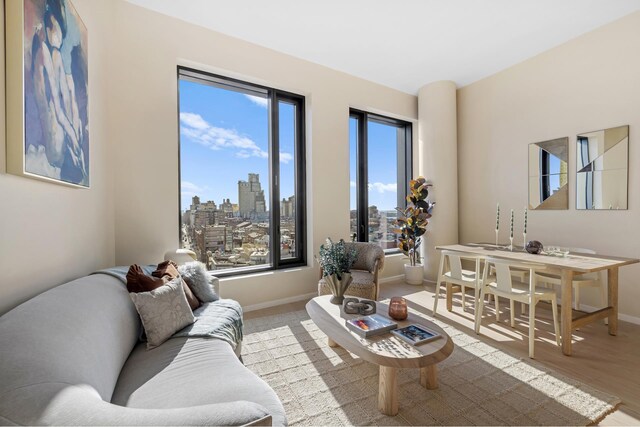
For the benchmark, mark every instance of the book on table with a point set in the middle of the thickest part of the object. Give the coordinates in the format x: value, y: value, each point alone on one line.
x: 416, y: 334
x: 369, y: 326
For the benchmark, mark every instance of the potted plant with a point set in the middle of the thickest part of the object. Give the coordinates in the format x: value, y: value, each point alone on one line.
x: 336, y: 261
x: 411, y: 225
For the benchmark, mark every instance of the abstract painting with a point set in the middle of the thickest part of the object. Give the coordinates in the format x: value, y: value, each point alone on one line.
x: 55, y: 129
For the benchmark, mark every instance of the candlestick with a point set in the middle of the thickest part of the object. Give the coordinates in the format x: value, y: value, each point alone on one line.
x: 524, y: 239
x: 496, y: 237
x: 511, y: 243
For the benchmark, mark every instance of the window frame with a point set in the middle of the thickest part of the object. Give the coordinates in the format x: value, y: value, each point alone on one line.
x: 274, y: 97
x: 404, y: 167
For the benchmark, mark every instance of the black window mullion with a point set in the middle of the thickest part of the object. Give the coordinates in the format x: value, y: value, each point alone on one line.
x: 362, y: 180
x: 274, y: 181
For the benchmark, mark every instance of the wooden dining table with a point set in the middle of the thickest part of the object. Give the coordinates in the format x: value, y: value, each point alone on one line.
x: 567, y: 267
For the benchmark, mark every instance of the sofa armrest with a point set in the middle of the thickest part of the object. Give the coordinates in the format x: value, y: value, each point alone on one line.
x: 63, y: 404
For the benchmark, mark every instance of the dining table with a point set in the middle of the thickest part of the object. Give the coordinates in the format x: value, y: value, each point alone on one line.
x: 566, y: 267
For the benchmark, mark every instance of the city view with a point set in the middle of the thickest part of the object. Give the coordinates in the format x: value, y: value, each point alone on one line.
x: 233, y: 235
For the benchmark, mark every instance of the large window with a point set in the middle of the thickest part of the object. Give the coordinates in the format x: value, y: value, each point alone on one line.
x: 242, y: 173
x: 380, y: 169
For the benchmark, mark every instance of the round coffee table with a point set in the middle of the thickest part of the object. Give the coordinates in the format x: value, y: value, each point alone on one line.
x: 387, y: 351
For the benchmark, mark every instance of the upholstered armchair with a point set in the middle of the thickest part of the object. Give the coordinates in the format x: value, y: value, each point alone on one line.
x: 369, y: 261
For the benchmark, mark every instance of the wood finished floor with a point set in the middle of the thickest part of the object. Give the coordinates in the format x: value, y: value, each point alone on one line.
x: 611, y: 364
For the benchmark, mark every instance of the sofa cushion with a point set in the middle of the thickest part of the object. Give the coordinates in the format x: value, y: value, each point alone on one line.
x: 79, y: 333
x: 168, y: 270
x: 164, y: 311
x: 199, y: 280
x: 187, y: 372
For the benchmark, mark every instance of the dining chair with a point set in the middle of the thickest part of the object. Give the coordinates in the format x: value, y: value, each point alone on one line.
x: 594, y: 280
x: 505, y: 287
x: 456, y: 278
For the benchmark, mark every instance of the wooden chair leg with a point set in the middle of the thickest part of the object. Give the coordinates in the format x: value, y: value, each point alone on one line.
x: 449, y: 297
x: 603, y: 299
x: 532, y: 327
x: 556, y: 325
x: 497, y: 300
x: 479, y: 311
x: 463, y: 291
x: 436, y: 297
x: 511, y: 312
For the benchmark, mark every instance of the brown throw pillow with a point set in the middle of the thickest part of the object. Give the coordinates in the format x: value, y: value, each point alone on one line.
x: 167, y: 270
x: 137, y: 281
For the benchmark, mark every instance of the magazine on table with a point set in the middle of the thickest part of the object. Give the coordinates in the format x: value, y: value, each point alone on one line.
x: 368, y: 326
x: 416, y: 334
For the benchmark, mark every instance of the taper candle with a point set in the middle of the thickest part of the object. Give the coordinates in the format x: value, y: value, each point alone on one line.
x: 511, y: 224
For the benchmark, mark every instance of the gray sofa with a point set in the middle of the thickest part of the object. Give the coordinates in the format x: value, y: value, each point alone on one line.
x: 71, y: 356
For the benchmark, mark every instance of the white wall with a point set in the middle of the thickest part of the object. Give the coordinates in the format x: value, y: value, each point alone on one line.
x: 589, y: 83
x: 51, y: 233
x: 147, y: 48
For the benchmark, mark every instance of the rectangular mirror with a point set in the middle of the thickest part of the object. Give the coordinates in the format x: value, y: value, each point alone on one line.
x: 602, y: 169
x: 548, y: 174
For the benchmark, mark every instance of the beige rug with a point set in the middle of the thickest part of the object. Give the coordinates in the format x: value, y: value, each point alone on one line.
x: 479, y: 384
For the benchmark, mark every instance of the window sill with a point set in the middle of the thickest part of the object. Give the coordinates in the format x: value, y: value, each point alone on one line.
x: 257, y: 272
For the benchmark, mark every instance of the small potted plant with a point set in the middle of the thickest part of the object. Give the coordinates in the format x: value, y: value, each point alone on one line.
x: 411, y: 225
x: 336, y: 261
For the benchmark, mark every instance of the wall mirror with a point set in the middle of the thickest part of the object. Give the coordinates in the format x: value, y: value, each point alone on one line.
x: 602, y: 169
x: 548, y: 174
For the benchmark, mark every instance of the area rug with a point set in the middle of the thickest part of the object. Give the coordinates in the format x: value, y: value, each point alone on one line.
x: 479, y: 384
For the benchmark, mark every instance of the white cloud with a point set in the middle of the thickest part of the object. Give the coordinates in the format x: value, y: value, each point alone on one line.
x: 382, y: 188
x: 258, y: 100
x: 352, y: 184
x: 190, y: 187
x: 193, y: 126
x: 285, y: 157
x: 36, y: 162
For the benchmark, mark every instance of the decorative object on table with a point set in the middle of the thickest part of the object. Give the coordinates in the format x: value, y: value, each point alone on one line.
x: 557, y: 251
x: 398, y: 308
x: 497, y: 222
x: 416, y: 334
x: 524, y: 230
x: 369, y: 326
x: 534, y: 247
x: 411, y: 225
x: 548, y: 174
x: 511, y: 233
x: 336, y: 261
x: 602, y: 169
x: 47, y: 92
x: 362, y: 307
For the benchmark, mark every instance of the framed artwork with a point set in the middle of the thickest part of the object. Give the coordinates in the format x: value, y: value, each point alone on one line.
x: 47, y: 92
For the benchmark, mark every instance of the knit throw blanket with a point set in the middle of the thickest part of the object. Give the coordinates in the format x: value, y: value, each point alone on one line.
x: 220, y: 319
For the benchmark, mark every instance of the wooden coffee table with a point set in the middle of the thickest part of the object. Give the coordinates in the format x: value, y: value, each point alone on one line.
x: 386, y: 350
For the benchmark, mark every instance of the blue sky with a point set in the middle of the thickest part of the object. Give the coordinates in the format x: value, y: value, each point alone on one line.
x: 224, y: 137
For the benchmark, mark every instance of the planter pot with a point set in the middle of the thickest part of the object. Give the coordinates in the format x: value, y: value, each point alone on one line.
x: 414, y: 274
x: 338, y: 287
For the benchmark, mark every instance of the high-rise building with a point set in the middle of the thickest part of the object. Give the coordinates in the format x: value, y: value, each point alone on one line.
x: 251, y: 196
x: 288, y: 207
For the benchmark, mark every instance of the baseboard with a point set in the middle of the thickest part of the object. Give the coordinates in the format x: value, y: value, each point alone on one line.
x: 621, y: 316
x: 389, y: 279
x: 274, y: 303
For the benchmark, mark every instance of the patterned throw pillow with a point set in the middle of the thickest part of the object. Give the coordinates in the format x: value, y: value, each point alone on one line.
x: 163, y: 311
x: 199, y: 280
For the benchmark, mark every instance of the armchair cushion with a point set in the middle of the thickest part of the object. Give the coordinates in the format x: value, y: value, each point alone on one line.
x: 366, y: 256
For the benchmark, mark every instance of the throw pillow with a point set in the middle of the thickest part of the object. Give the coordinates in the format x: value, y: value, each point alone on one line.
x: 167, y: 270
x: 198, y: 279
x: 138, y: 281
x: 163, y: 311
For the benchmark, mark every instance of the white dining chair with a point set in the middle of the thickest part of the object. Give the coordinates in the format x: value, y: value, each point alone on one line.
x: 593, y: 280
x: 453, y: 275
x: 505, y: 287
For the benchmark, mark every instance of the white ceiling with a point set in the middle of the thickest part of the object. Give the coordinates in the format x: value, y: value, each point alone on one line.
x: 403, y: 44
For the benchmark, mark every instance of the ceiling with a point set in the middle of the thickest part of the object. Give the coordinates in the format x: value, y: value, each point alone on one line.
x: 403, y: 44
